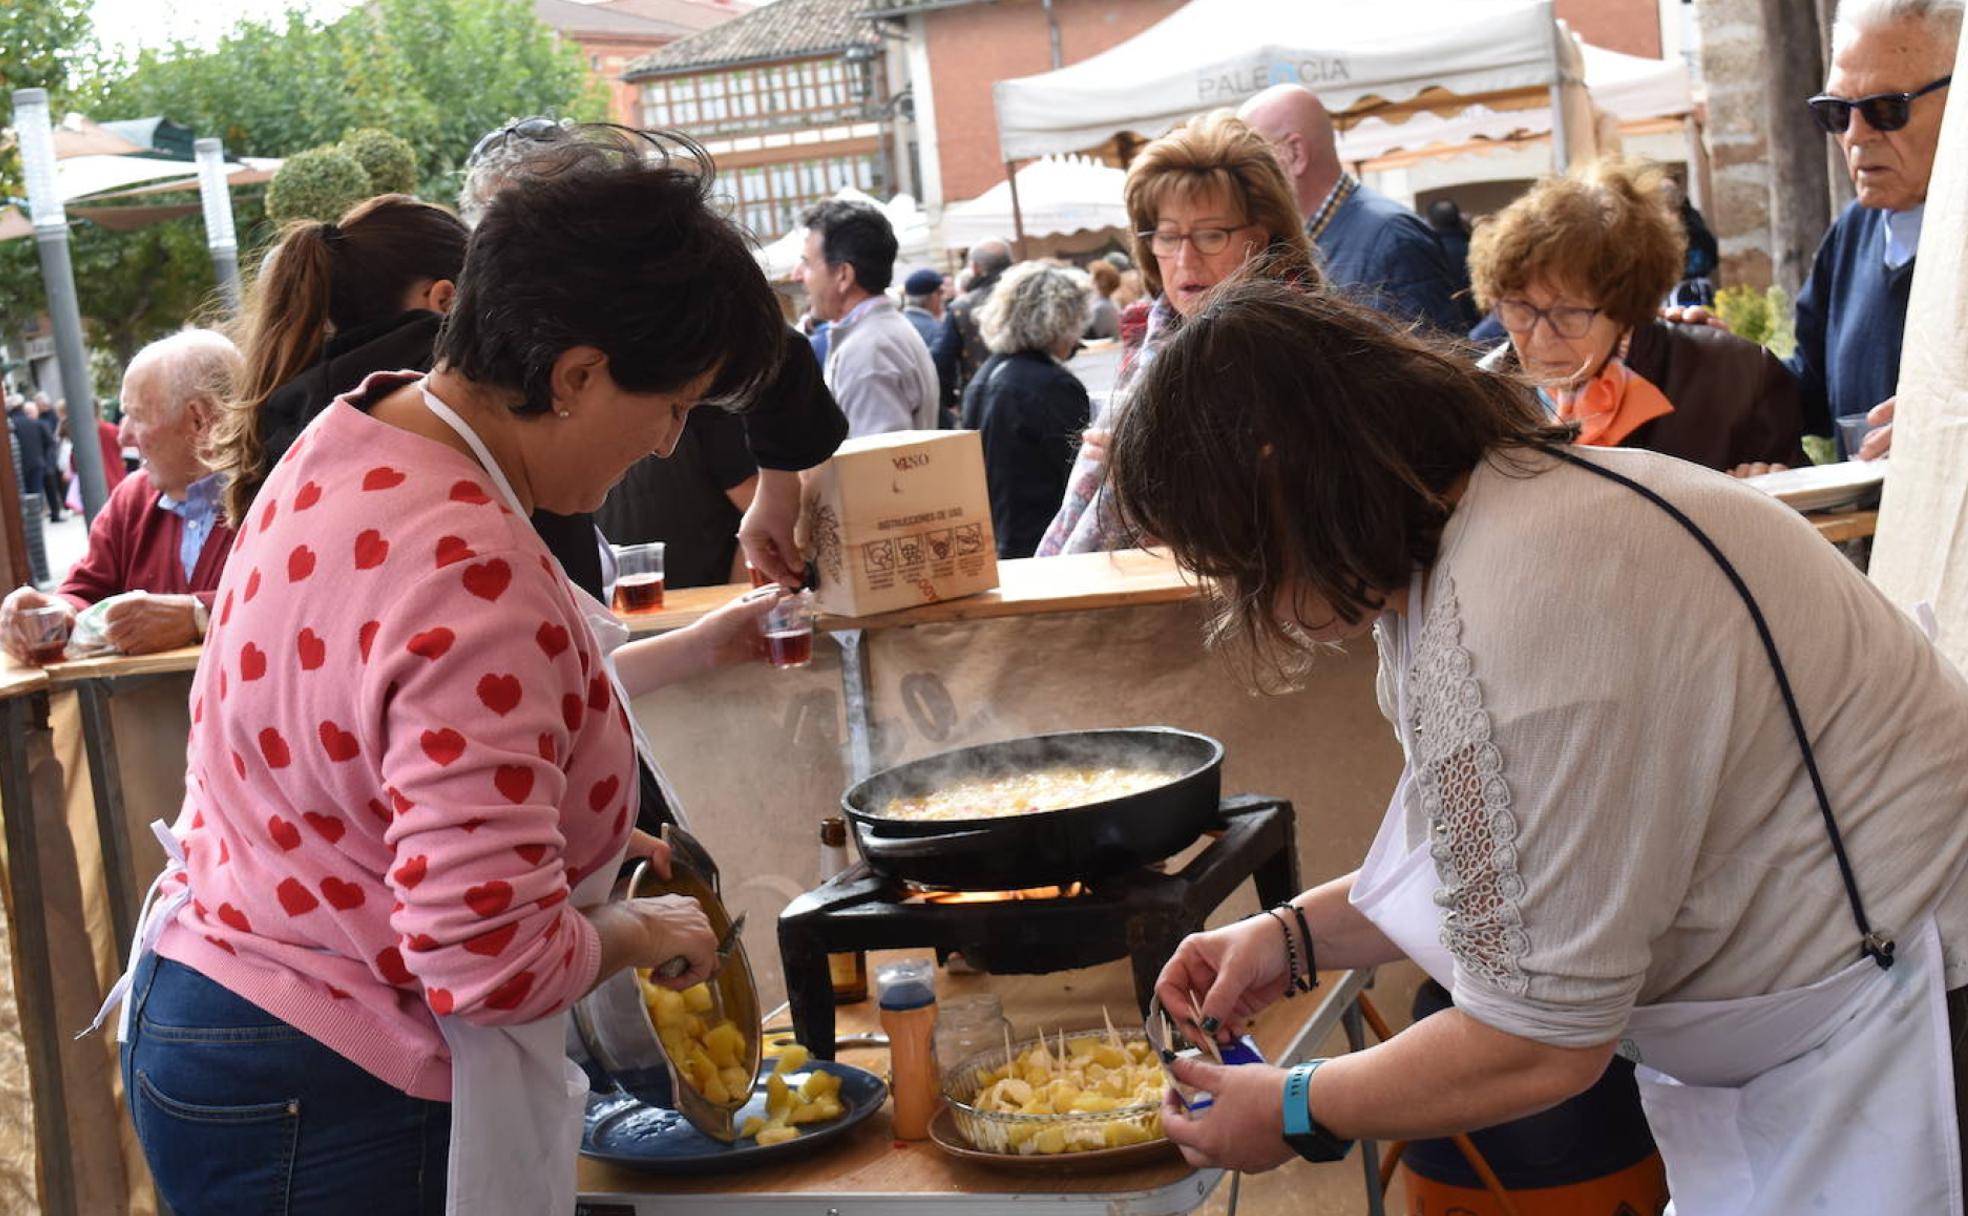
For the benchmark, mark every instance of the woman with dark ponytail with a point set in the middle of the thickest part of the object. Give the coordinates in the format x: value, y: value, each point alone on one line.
x: 331, y: 304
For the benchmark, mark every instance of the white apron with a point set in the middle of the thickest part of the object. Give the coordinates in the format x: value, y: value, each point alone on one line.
x: 1835, y: 1098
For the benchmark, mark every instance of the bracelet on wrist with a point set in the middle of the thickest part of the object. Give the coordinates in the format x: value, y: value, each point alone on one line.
x: 1311, y: 959
x: 1291, y: 953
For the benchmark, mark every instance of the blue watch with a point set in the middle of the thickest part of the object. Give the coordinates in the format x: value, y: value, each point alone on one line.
x: 1302, y: 1131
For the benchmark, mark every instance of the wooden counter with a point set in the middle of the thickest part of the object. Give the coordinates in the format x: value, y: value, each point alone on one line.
x: 870, y: 1162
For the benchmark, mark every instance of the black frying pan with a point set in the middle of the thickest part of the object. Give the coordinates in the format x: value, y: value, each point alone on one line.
x: 1042, y: 847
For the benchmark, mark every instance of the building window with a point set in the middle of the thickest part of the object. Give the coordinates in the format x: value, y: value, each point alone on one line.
x: 775, y: 97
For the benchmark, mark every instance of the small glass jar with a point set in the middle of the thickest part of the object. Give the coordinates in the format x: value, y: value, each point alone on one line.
x: 966, y: 1025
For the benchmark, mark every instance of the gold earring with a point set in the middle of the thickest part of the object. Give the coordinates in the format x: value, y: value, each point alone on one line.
x: 565, y: 414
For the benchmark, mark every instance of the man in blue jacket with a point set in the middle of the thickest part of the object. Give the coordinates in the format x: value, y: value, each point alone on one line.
x: 1890, y: 66
x: 1374, y: 249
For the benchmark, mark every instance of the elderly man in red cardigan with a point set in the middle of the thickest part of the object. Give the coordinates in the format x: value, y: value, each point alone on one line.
x: 163, y: 533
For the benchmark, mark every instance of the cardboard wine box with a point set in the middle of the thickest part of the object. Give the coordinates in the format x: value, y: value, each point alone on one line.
x: 901, y: 519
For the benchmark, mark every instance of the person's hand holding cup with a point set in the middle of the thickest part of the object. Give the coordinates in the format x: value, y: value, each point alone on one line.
x: 34, y: 628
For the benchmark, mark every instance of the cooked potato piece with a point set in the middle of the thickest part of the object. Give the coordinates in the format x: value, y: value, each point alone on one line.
x: 697, y: 998
x: 709, y: 1057
x: 792, y: 1059
x: 778, y: 1135
x: 1091, y: 1074
x: 752, y: 1126
x: 778, y: 1096
x: 818, y: 1083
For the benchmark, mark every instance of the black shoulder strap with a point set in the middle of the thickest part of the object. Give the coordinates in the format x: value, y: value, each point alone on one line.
x: 1874, y: 944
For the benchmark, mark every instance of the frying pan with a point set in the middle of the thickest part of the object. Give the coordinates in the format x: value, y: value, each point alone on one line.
x: 1041, y: 847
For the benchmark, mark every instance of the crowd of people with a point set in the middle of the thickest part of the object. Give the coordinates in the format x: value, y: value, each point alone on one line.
x: 384, y: 504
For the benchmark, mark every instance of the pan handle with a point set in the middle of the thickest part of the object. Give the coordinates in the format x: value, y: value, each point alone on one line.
x: 915, y: 846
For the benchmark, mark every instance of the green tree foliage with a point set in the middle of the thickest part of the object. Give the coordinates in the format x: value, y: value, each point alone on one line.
x: 436, y: 73
x: 318, y: 184
x: 391, y: 163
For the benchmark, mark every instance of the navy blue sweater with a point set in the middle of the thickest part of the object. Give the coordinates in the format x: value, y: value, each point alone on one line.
x: 1380, y: 253
x: 1851, y: 318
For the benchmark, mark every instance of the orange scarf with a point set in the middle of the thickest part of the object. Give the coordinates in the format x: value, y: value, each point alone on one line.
x: 1613, y: 404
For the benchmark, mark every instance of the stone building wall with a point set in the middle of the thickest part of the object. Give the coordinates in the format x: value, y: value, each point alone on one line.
x: 1732, y: 53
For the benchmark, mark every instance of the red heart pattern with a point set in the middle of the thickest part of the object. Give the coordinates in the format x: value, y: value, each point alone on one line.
x: 329, y: 827
x: 284, y: 834
x: 412, y: 872
x: 381, y: 812
x: 493, y: 943
x: 552, y: 639
x: 442, y: 746
x: 382, y: 478
x: 365, y: 637
x: 530, y: 853
x: 515, y: 781
x: 307, y: 496
x: 252, y: 584
x: 570, y: 711
x: 312, y: 651
x: 266, y: 516
x: 499, y: 693
x: 512, y: 993
x: 488, y: 899
x: 295, y: 898
x: 225, y: 610
x: 339, y: 745
x: 341, y: 896
x: 370, y: 549
x: 548, y: 901
x: 598, y: 693
x: 389, y: 965
x: 471, y: 492
x: 453, y: 549
x: 547, y: 749
x: 233, y: 918
x: 488, y: 580
x: 252, y: 662
x: 439, y: 1000
x: 300, y: 563
x: 431, y: 644
x: 421, y: 943
x: 273, y: 749
x: 402, y: 805
x: 603, y: 792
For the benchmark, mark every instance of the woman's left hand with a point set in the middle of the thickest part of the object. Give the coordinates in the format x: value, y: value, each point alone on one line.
x: 1243, y: 1128
x: 657, y: 850
x: 735, y: 633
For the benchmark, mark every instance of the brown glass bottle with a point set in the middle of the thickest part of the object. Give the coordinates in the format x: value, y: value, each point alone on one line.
x: 849, y: 969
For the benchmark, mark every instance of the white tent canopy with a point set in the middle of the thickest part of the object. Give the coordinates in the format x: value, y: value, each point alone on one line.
x: 1056, y: 195
x: 904, y: 214
x: 1360, y: 58
x: 1627, y: 87
x: 80, y: 177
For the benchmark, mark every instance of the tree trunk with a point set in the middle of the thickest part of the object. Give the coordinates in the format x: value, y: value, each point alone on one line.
x: 1800, y: 197
x: 1842, y: 191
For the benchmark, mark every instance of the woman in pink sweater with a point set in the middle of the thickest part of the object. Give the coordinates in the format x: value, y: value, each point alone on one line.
x: 411, y: 779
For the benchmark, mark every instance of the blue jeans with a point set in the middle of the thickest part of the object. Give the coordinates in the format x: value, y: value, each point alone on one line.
x: 238, y: 1112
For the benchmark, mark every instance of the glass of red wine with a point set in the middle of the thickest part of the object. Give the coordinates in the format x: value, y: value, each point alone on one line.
x: 638, y: 578
x: 789, y: 631
x: 45, y: 628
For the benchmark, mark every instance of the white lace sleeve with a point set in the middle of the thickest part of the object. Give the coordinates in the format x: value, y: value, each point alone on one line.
x: 1466, y: 799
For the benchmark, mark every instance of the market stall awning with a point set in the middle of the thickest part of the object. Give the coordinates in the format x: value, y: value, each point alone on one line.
x: 81, y: 176
x: 1382, y: 60
x: 1627, y: 87
x: 1056, y: 195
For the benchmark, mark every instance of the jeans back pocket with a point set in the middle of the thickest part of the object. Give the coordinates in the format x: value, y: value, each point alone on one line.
x: 217, y: 1160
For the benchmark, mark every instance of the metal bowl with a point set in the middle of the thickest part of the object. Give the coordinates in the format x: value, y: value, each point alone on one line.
x: 612, y: 1033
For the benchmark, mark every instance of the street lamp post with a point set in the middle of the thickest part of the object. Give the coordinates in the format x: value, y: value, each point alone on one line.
x: 220, y: 237
x: 36, y: 137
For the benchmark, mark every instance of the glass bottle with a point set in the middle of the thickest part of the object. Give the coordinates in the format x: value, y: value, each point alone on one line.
x: 848, y: 968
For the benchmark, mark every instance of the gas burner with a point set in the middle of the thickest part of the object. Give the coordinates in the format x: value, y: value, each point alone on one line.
x: 1140, y: 915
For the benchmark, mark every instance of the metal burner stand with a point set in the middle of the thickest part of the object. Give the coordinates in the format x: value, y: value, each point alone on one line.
x: 1141, y: 915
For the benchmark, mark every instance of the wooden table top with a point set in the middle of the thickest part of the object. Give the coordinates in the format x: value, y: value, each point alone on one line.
x: 871, y: 1161
x: 19, y: 679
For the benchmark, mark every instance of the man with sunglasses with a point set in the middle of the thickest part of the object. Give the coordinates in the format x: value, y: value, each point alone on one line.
x: 1883, y: 101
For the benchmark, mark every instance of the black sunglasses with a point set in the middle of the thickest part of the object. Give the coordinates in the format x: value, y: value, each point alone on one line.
x: 525, y: 128
x: 1883, y: 111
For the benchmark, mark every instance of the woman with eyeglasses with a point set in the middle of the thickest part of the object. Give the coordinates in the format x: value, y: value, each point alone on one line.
x: 1575, y: 272
x: 1203, y: 200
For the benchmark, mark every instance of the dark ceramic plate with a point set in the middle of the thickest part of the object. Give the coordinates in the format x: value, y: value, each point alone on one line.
x: 622, y: 1130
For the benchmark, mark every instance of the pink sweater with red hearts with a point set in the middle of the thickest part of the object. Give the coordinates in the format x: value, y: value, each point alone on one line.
x: 403, y: 756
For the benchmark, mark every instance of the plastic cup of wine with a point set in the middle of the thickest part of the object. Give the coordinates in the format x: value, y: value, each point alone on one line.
x: 638, y: 579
